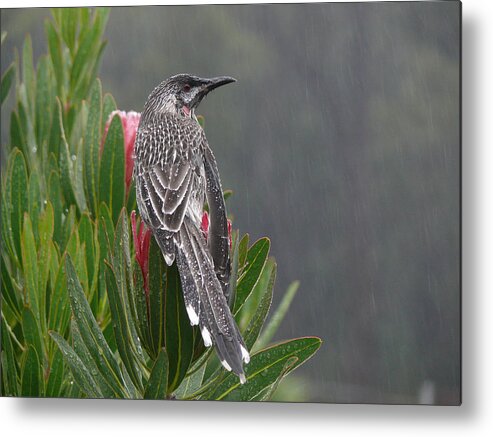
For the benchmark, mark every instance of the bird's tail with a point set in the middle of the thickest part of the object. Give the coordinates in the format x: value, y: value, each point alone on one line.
x: 204, y: 299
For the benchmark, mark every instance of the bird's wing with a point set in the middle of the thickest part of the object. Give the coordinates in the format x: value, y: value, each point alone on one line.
x: 170, y: 173
x: 218, y: 241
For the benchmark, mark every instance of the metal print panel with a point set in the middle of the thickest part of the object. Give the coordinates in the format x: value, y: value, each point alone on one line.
x: 294, y: 236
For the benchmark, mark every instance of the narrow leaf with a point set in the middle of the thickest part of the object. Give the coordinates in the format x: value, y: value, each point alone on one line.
x: 112, y: 170
x: 80, y: 373
x: 17, y: 177
x: 260, y: 314
x: 31, y: 374
x: 31, y: 331
x: 265, y: 368
x: 55, y: 378
x: 9, y: 363
x: 92, y: 142
x: 278, y: 315
x: 255, y: 261
x: 91, y: 332
x: 30, y: 267
x: 7, y: 78
x: 158, y: 380
x: 121, y: 322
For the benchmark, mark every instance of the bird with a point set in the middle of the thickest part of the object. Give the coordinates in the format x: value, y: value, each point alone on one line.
x: 175, y: 172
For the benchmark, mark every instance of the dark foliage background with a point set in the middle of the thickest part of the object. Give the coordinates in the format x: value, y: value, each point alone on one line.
x: 341, y: 142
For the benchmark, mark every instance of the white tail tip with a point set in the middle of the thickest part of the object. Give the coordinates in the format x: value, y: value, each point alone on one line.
x: 206, y: 336
x: 192, y: 315
x: 226, y: 365
x: 242, y: 378
x: 245, y: 355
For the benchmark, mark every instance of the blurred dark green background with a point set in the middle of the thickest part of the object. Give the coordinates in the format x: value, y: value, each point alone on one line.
x: 341, y: 141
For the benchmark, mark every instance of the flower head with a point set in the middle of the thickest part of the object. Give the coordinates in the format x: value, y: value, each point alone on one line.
x: 130, y: 122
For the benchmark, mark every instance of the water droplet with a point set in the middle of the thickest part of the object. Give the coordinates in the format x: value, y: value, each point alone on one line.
x: 73, y: 157
x: 45, y: 202
x: 34, y: 149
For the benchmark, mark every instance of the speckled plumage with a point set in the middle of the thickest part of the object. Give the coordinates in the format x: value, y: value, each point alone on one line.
x: 175, y: 172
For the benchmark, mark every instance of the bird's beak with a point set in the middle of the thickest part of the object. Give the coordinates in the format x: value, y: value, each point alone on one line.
x: 216, y: 82
x: 211, y: 84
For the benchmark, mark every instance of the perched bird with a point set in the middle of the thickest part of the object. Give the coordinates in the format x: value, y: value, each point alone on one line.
x: 175, y: 172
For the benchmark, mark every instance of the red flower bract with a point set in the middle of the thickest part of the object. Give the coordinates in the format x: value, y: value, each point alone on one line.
x: 130, y: 122
x: 205, y: 228
x: 142, y: 242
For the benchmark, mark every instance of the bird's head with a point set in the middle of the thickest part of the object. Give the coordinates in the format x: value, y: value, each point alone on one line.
x: 182, y: 94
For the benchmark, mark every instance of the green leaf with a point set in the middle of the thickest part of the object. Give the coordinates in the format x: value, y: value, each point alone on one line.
x: 55, y: 48
x: 92, y: 142
x: 9, y: 363
x: 55, y: 136
x: 260, y: 314
x: 191, y: 383
x: 112, y: 170
x: 16, y: 134
x: 227, y: 194
x: 255, y: 261
x: 79, y: 371
x: 31, y: 382
x: 6, y: 211
x: 17, y: 178
x: 67, y: 170
x: 178, y: 332
x: 86, y: 236
x: 59, y: 311
x: 168, y: 320
x: 44, y: 100
x: 55, y: 197
x: 9, y: 291
x: 140, y: 303
x: 243, y: 251
x: 34, y: 201
x: 265, y: 368
x: 266, y: 394
x: 26, y: 121
x: 122, y: 265
x: 105, y: 216
x: 55, y: 378
x: 109, y: 105
x: 45, y: 230
x: 70, y: 237
x: 28, y: 73
x: 121, y: 321
x: 88, y: 55
x: 157, y: 287
x: 83, y: 58
x: 32, y: 332
x: 278, y: 316
x: 86, y: 358
x: 91, y: 332
x: 7, y: 78
x: 158, y: 380
x: 30, y: 267
x: 68, y: 22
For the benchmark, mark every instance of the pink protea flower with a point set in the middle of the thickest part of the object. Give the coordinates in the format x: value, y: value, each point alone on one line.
x: 205, y: 228
x: 130, y: 122
x: 142, y: 242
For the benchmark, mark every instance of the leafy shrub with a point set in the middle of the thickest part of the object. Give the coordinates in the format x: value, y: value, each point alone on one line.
x: 87, y: 310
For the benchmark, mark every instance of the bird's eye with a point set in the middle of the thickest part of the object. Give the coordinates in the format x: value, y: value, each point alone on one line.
x: 186, y: 88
